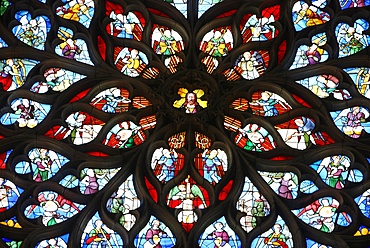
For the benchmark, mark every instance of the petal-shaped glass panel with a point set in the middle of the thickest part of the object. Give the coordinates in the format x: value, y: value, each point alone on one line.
x: 219, y: 234
x: 53, y: 208
x: 32, y: 31
x: 155, y: 233
x: 79, y: 11
x: 98, y: 234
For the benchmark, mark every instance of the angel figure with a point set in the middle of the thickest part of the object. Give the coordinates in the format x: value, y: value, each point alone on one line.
x: 122, y: 201
x: 32, y: 32
x: 165, y: 163
x: 352, y: 39
x: 13, y: 74
x: 123, y: 135
x: 214, y: 165
x: 259, y: 29
x: 112, y: 100
x: 186, y: 196
x: 27, y: 113
x: 53, y: 208
x: 131, y: 62
x: 166, y: 41
x: 305, y: 15
x: 336, y: 168
x: 352, y: 119
x: 77, y: 10
x: 79, y: 128
x: 270, y: 102
x: 9, y: 193
x: 125, y: 26
x: 43, y: 160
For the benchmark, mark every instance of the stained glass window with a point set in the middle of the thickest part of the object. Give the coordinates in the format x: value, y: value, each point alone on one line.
x: 184, y: 123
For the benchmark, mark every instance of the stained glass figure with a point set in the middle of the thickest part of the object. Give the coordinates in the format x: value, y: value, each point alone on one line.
x: 322, y: 214
x: 249, y: 65
x: 13, y: 72
x: 32, y: 31
x: 307, y: 15
x: 212, y: 165
x: 266, y: 103
x: 278, y: 235
x: 285, y: 184
x: 252, y: 203
x: 187, y: 197
x: 219, y: 234
x: 98, y: 234
x: 325, y: 85
x: 352, y: 39
x: 81, y: 127
x: 123, y: 201
x: 254, y: 137
x: 128, y: 25
x: 352, y: 121
x: 298, y: 133
x: 53, y: 208
x: 93, y: 180
x: 130, y: 61
x: 255, y: 28
x: 334, y: 170
x: 9, y: 194
x: 81, y: 11
x: 26, y: 113
x: 72, y: 48
x: 166, y: 163
x: 59, y: 242
x: 44, y: 164
x: 311, y: 54
x: 190, y: 102
x: 216, y: 43
x: 112, y: 100
x: 125, y: 135
x: 155, y: 234
x: 56, y: 79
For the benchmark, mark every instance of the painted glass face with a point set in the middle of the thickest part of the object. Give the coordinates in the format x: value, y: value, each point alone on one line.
x: 184, y: 123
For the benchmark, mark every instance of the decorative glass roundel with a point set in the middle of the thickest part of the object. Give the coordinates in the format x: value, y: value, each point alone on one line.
x: 198, y: 123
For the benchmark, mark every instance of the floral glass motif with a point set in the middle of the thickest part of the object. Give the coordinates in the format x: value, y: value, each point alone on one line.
x: 197, y: 123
